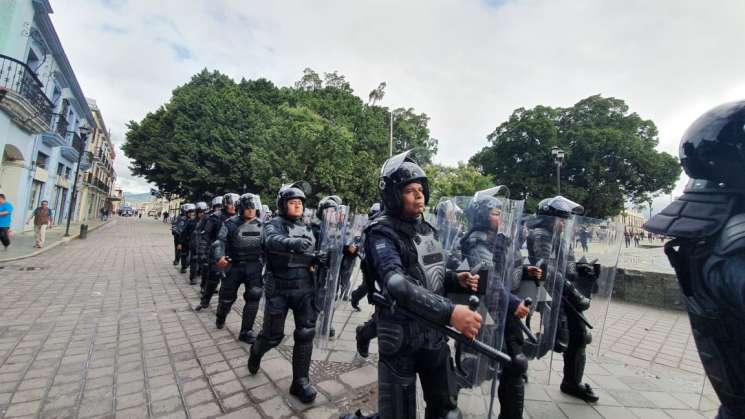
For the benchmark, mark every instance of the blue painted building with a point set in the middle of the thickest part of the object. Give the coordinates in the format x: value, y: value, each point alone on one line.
x: 42, y: 111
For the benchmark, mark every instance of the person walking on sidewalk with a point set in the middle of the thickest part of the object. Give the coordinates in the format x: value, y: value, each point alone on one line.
x: 42, y: 219
x: 6, y: 214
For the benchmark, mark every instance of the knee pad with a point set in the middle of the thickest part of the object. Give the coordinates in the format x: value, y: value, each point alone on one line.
x: 588, y: 337
x: 253, y: 294
x: 519, y: 364
x: 304, y: 334
x: 453, y: 414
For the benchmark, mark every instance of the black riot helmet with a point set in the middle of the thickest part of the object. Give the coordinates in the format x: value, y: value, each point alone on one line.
x: 288, y: 192
x: 249, y: 200
x: 374, y: 211
x: 397, y: 172
x: 479, y: 209
x: 713, y: 149
x: 559, y: 206
x: 331, y: 201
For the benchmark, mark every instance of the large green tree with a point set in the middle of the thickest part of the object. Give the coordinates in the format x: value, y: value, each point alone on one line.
x: 610, y: 155
x: 215, y: 135
x: 460, y: 180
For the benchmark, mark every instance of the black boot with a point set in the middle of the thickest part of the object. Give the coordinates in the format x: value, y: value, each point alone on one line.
x: 581, y: 391
x: 301, y: 387
x: 254, y: 357
x: 363, y: 342
x: 223, y: 308
x: 201, y: 306
x: 247, y: 337
x: 357, y: 295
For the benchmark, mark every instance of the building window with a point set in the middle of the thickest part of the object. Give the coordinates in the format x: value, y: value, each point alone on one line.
x: 35, y: 197
x: 68, y: 171
x: 60, y: 169
x: 42, y: 160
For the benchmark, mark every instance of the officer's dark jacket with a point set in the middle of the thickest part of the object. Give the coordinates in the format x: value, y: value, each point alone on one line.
x: 244, y: 248
x: 281, y: 260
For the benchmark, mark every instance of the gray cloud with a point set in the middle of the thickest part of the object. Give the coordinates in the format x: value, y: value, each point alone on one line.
x: 467, y: 64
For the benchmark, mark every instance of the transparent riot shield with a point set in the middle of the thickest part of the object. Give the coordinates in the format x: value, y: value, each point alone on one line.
x: 487, y: 247
x: 308, y: 215
x: 596, y: 249
x: 333, y: 236
x: 355, y: 238
x: 451, y: 225
x: 541, y: 277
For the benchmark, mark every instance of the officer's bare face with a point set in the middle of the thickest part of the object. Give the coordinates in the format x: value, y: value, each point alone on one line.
x: 295, y: 208
x: 249, y: 213
x: 412, y: 197
x: 230, y: 209
x: 495, y: 216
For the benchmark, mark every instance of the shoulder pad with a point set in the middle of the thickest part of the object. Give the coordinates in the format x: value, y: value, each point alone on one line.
x: 478, y: 236
x: 732, y: 238
x: 693, y: 216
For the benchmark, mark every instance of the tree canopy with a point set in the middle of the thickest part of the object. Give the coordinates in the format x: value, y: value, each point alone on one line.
x: 610, y: 155
x: 216, y: 135
x: 460, y: 180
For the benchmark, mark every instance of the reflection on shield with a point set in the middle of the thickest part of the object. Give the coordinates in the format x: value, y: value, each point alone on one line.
x: 546, y: 247
x: 474, y: 244
x: 333, y: 237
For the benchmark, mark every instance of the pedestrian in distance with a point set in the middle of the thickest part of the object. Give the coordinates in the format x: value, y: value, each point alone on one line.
x: 6, y: 215
x: 42, y: 217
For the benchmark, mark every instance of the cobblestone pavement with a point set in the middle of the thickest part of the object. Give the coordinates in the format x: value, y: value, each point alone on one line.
x: 22, y: 244
x: 103, y: 327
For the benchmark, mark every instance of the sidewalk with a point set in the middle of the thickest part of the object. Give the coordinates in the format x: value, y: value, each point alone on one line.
x: 22, y: 244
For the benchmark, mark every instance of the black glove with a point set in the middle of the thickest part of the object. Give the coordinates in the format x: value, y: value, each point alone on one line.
x: 588, y: 271
x: 299, y: 244
x: 322, y: 258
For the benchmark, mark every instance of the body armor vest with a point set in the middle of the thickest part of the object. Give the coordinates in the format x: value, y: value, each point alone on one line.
x: 719, y: 335
x: 244, y: 241
x: 282, y: 262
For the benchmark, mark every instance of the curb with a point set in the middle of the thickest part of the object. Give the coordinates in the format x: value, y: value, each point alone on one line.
x: 55, y: 244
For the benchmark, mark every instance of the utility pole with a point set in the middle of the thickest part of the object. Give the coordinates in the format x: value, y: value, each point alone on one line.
x: 558, y: 159
x: 71, y: 208
x: 390, y: 144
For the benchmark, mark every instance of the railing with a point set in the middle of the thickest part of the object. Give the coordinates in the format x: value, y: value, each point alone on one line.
x: 78, y: 143
x: 101, y: 185
x: 60, y: 126
x: 18, y: 77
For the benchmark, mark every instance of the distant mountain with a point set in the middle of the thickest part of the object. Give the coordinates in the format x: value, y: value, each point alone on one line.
x: 137, y: 197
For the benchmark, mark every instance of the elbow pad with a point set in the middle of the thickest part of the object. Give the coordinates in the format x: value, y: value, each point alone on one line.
x: 419, y: 300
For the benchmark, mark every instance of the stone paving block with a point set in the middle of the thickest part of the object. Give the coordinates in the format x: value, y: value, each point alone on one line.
x: 631, y: 398
x: 162, y: 380
x: 130, y: 400
x: 244, y: 413
x: 539, y: 410
x: 332, y: 388
x: 264, y: 392
x: 22, y: 409
x: 251, y: 381
x: 29, y: 395
x: 199, y: 397
x: 643, y: 413
x: 321, y: 413
x: 360, y: 377
x: 169, y: 405
x: 136, y: 412
x: 235, y: 401
x: 193, y: 385
x: 275, y: 408
x: 664, y: 400
x: 204, y: 411
x: 131, y: 387
x: 615, y: 412
x: 164, y: 392
x: 95, y: 408
x: 63, y: 413
x: 228, y: 388
x: 276, y: 368
x: 579, y: 411
x: 219, y: 378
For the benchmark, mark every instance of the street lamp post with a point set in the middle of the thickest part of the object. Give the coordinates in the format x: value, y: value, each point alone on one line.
x: 83, y: 138
x: 558, y: 155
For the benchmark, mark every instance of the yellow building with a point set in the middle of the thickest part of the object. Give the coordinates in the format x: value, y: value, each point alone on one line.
x: 98, y: 180
x: 631, y: 219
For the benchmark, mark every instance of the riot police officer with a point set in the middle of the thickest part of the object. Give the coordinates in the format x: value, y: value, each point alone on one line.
x: 184, y: 236
x: 288, y: 284
x: 195, y: 255
x: 177, y: 226
x: 404, y: 259
x: 238, y: 245
x: 484, y: 244
x: 367, y: 331
x: 205, y: 247
x: 572, y: 336
x: 361, y: 291
x: 708, y: 224
x: 211, y: 228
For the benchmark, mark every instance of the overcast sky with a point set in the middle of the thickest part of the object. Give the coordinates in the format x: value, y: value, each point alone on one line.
x: 466, y: 63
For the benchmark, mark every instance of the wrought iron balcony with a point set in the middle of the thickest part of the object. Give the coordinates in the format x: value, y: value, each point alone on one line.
x: 17, y: 78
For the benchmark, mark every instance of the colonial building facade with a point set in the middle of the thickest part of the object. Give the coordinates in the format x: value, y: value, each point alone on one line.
x: 42, y: 111
x: 98, y: 181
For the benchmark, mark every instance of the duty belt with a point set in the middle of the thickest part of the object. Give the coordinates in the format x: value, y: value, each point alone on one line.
x: 285, y: 260
x: 246, y: 259
x: 292, y: 284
